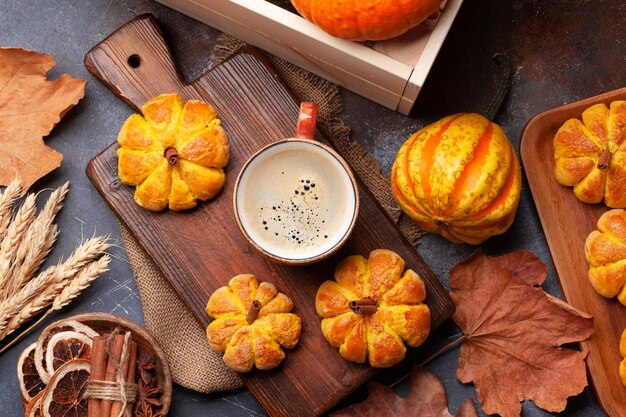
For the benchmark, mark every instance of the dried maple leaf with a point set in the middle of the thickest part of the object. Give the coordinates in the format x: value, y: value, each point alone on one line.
x: 30, y: 106
x: 426, y: 399
x: 514, y: 332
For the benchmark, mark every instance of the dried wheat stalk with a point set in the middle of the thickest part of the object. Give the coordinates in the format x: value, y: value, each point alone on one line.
x: 37, y: 242
x: 65, y: 283
x: 26, y: 240
x: 83, y: 278
x: 40, y: 291
x: 11, y: 193
x: 14, y: 234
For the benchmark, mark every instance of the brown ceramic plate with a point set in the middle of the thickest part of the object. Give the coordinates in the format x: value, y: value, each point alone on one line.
x: 567, y: 222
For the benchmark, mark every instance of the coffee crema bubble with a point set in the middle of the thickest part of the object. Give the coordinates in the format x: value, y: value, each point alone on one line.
x: 300, y: 209
x: 297, y: 201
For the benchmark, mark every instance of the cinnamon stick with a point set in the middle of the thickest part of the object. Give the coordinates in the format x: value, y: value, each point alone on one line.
x: 115, y: 353
x: 132, y: 372
x: 98, y: 368
x: 362, y: 302
x: 253, y: 313
x: 171, y: 154
x: 366, y: 310
x: 365, y: 306
x: 117, y: 405
x: 605, y: 158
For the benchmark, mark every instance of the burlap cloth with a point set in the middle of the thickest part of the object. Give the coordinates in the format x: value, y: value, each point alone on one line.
x: 193, y: 363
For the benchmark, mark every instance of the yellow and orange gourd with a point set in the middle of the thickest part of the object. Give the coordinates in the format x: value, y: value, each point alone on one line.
x: 174, y: 154
x: 459, y: 177
x: 360, y: 20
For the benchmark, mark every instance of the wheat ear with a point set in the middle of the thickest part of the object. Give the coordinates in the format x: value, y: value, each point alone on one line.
x: 40, y: 292
x: 37, y: 242
x: 85, y: 253
x: 41, y: 240
x: 14, y: 234
x: 83, y: 279
x: 8, y: 197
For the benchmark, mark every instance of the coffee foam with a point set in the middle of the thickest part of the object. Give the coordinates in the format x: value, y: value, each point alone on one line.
x: 296, y: 200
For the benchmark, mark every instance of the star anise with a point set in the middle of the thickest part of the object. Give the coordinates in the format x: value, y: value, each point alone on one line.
x: 145, y: 410
x: 147, y: 367
x: 148, y: 394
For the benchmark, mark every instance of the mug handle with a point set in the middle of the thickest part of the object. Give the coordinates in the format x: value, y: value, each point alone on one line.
x: 306, y: 120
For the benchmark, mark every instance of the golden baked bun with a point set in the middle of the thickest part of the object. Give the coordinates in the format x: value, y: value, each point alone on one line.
x: 252, y: 322
x: 590, y: 155
x: 373, y: 308
x: 174, y: 154
x: 605, y: 250
x: 622, y: 351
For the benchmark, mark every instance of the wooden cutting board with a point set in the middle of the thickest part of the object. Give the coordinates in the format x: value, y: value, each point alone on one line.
x: 566, y: 223
x: 200, y: 250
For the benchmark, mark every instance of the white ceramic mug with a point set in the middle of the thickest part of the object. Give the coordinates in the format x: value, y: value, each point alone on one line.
x: 296, y: 200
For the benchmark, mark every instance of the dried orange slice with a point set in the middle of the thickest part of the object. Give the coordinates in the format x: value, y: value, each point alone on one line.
x: 27, y: 375
x: 65, y: 394
x: 66, y: 346
x: 33, y: 408
x: 44, y: 338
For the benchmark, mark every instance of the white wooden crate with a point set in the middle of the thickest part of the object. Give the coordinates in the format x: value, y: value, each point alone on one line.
x: 390, y: 73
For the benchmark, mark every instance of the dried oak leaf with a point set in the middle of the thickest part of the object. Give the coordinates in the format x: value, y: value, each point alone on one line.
x: 30, y: 106
x: 426, y: 399
x: 514, y: 334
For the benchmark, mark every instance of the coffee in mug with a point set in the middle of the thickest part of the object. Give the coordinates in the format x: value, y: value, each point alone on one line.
x: 296, y: 200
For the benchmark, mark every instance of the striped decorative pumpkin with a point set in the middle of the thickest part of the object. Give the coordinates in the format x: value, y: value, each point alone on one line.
x: 459, y: 177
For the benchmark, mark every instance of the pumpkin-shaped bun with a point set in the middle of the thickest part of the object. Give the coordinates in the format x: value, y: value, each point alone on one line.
x: 458, y: 177
x: 590, y: 155
x: 366, y: 19
x: 622, y: 351
x: 605, y: 250
x: 174, y: 154
x: 373, y: 308
x: 252, y: 322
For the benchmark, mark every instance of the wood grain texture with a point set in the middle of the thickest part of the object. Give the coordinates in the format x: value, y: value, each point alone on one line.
x: 200, y: 250
x: 567, y: 222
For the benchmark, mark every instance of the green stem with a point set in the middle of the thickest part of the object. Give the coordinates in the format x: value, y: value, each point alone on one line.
x: 504, y: 84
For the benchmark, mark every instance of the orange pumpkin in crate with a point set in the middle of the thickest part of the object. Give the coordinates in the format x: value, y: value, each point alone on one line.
x: 366, y: 19
x: 459, y: 177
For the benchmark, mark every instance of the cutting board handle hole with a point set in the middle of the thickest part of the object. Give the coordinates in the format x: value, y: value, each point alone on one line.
x: 134, y: 61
